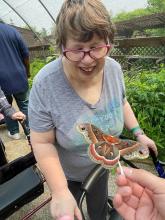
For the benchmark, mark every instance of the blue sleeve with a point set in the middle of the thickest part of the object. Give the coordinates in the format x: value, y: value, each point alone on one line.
x: 22, y: 45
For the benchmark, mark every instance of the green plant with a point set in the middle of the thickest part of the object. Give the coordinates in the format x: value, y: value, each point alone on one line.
x: 146, y: 94
x: 35, y: 66
x: 53, y: 54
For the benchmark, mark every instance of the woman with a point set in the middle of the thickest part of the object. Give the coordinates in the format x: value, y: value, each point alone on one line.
x: 81, y: 86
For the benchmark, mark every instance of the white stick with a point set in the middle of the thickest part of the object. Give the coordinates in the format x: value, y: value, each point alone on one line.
x: 121, y: 169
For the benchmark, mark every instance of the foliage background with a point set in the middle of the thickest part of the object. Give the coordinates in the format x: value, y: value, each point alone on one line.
x: 146, y: 94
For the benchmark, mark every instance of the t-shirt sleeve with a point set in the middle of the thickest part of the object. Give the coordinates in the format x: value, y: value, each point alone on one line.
x: 40, y: 119
x: 122, y: 83
x: 123, y: 89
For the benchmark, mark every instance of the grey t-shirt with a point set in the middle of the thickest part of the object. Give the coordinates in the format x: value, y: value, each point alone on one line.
x: 54, y: 104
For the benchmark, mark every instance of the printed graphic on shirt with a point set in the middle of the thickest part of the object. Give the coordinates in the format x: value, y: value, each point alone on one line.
x: 108, y: 119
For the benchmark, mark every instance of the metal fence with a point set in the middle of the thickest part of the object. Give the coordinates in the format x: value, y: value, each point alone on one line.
x: 127, y: 50
x: 144, y: 49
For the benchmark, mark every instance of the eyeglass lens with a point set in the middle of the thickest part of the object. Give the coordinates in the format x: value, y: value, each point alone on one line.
x: 95, y: 53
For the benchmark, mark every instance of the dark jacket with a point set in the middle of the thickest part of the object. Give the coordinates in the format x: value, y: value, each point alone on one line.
x: 14, y: 57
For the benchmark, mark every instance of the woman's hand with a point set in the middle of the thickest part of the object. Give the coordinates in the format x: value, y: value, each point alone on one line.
x: 141, y: 195
x: 18, y: 116
x: 64, y: 206
x: 147, y: 142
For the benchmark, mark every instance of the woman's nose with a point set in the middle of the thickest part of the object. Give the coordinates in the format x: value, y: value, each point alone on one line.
x: 87, y: 58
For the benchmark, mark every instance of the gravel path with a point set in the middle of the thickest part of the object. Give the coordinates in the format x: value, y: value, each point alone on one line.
x: 16, y: 148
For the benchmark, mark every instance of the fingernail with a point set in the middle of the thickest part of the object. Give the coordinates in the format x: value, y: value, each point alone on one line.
x: 128, y: 171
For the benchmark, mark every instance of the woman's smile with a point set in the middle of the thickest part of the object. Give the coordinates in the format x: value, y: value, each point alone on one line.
x: 87, y: 70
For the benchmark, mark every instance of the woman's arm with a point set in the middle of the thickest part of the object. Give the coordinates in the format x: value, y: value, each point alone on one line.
x: 130, y: 120
x: 48, y: 160
x: 46, y: 155
x: 132, y: 124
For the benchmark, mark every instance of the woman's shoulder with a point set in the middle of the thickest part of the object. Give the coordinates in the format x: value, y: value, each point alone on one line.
x: 49, y: 71
x: 112, y: 63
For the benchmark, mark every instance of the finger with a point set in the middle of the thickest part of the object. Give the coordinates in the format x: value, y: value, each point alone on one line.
x: 132, y: 201
x: 144, y: 178
x: 124, y: 191
x: 137, y: 189
x: 121, y: 180
x: 78, y: 214
x: 128, y: 197
x: 123, y: 209
x: 66, y: 217
x: 117, y: 200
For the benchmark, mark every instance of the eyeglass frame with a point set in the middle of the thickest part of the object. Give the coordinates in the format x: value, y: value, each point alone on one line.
x: 64, y: 51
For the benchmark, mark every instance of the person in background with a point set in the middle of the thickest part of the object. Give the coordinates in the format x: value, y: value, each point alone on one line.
x: 8, y: 110
x: 83, y: 85
x: 140, y: 195
x: 14, y: 73
x: 2, y: 119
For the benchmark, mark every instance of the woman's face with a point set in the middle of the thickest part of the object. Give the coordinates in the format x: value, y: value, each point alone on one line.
x: 87, y: 67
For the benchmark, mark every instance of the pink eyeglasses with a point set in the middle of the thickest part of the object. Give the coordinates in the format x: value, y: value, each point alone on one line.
x: 95, y: 53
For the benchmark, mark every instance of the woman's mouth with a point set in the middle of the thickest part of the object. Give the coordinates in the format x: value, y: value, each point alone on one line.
x: 87, y: 69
